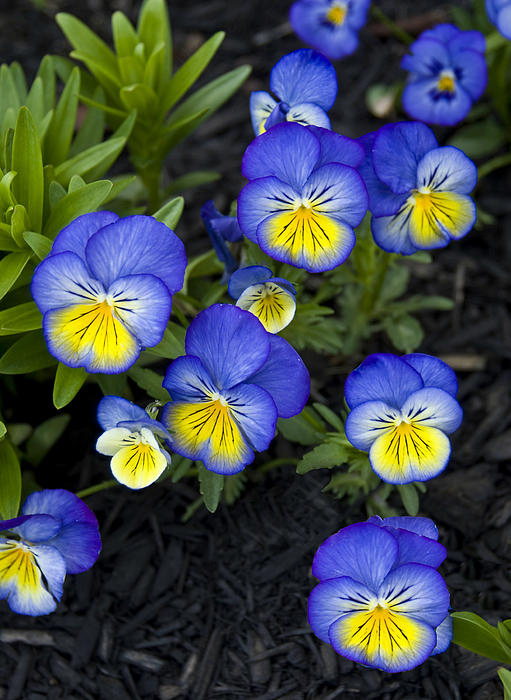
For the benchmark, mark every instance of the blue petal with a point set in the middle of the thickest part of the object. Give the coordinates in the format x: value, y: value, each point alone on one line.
x: 412, y: 141
x: 260, y: 199
x: 418, y: 550
x: 447, y: 169
x: 435, y: 408
x: 277, y: 116
x: 255, y: 412
x: 418, y: 525
x: 61, y: 504
x: 417, y: 591
x: 428, y: 57
x: 284, y: 283
x: 392, y: 233
x: 38, y: 528
x: 331, y: 599
x: 224, y: 226
x: 337, y: 190
x: 142, y: 303
x: 63, y: 280
x: 308, y: 22
x: 288, y: 151
x: 444, y: 33
x: 261, y: 106
x: 231, y: 343
x: 473, y: 40
x: 137, y: 245
x: 336, y: 148
x: 113, y: 410
x: 304, y: 76
x: 382, y: 201
x: 443, y: 636
x: 421, y: 100
x: 285, y: 377
x: 366, y: 422
x: 307, y: 114
x: 382, y: 377
x: 433, y: 371
x: 474, y: 75
x: 216, y: 232
x: 187, y: 380
x: 504, y: 21
x: 79, y: 545
x: 245, y: 277
x: 75, y: 236
x: 362, y: 551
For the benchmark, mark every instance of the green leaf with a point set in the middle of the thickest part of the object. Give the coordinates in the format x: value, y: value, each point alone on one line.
x: 125, y: 36
x: 153, y: 28
x: 68, y: 382
x: 10, y: 481
x: 395, y: 283
x: 475, y: 634
x: 35, y: 100
x: 176, y: 132
x: 404, y: 331
x: 211, y: 486
x: 84, y: 40
x: 3, y: 431
x: 46, y: 72
x: 19, y: 80
x: 39, y: 243
x: 11, y: 267
x: 233, y: 487
x: 330, y: 417
x: 9, y: 98
x: 172, y: 344
x: 44, y: 437
x: 7, y: 242
x: 505, y: 632
x: 28, y: 185
x: 505, y: 676
x: 114, y: 384
x: 170, y: 213
x: 326, y: 455
x: 82, y: 201
x: 194, y: 179
x: 21, y: 318
x: 92, y: 128
x: 60, y: 132
x: 19, y: 224
x: 480, y: 140
x: 118, y: 185
x: 99, y: 157
x: 27, y: 354
x: 306, y: 428
x: 409, y: 498
x: 187, y: 75
x: 139, y: 97
x: 150, y: 381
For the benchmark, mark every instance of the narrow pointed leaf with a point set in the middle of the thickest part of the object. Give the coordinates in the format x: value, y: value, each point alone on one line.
x: 39, y: 243
x: 153, y: 28
x: 85, y: 40
x: 125, y: 36
x: 10, y: 481
x: 20, y: 318
x: 27, y: 354
x: 11, y: 268
x: 46, y: 72
x: 82, y: 201
x: 170, y: 213
x: 28, y: 185
x: 99, y: 157
x: 92, y: 128
x: 60, y: 132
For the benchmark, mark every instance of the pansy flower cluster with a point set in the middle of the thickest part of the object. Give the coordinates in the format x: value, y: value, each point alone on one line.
x: 402, y: 409
x: 305, y: 83
x: 447, y: 74
x: 380, y: 600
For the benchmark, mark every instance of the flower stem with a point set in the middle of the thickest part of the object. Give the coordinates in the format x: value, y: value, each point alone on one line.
x: 394, y: 28
x: 97, y: 487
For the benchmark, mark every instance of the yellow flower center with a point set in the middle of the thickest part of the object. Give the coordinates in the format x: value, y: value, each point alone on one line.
x: 446, y: 82
x: 336, y: 14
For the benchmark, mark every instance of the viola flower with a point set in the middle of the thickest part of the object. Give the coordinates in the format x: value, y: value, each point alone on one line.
x: 447, y: 74
x: 271, y: 299
x: 106, y: 289
x: 499, y: 14
x: 419, y: 200
x: 131, y: 438
x: 55, y: 534
x: 379, y: 601
x: 402, y: 409
x: 220, y: 229
x: 305, y: 83
x: 331, y: 26
x: 229, y: 389
x: 304, y: 196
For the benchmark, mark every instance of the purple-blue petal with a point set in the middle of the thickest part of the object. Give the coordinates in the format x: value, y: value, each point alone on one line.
x: 187, y: 380
x: 74, y: 236
x: 245, y: 277
x: 336, y: 148
x: 382, y: 201
x: 61, y: 504
x: 443, y: 636
x: 434, y: 372
x: 79, y: 544
x: 304, y: 76
x: 113, y: 410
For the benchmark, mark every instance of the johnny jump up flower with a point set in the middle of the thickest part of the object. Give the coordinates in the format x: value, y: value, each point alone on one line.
x: 418, y: 192
x: 229, y: 389
x: 447, y: 74
x: 220, y: 229
x: 305, y: 83
x: 304, y: 196
x: 56, y: 534
x: 106, y: 289
x: 402, y: 409
x: 499, y: 14
x: 131, y: 438
x: 331, y: 26
x: 380, y: 600
x: 271, y: 299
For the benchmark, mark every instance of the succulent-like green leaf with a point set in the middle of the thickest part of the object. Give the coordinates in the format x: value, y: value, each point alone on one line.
x: 193, y: 179
x: 11, y: 267
x: 46, y: 72
x: 68, y: 382
x: 27, y: 354
x: 60, y: 132
x: 409, y: 498
x: 39, y: 243
x: 92, y: 127
x: 98, y: 158
x: 86, y: 41
x: 153, y: 28
x: 472, y: 632
x: 125, y: 36
x: 82, y: 201
x: 28, y: 185
x: 170, y: 213
x: 20, y: 318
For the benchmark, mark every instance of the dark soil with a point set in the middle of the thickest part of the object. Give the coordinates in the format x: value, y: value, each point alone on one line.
x: 216, y: 608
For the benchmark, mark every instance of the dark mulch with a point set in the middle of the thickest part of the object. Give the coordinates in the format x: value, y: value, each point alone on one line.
x: 216, y: 608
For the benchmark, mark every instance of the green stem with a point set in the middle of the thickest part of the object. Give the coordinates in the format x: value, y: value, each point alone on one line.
x: 493, y: 164
x: 98, y: 487
x: 150, y: 176
x: 394, y: 29
x: 277, y: 463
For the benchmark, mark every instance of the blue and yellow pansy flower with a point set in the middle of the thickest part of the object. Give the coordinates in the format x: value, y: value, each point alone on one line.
x: 499, y: 14
x: 55, y: 534
x: 447, y: 74
x: 402, y: 410
x: 105, y: 290
x: 418, y: 192
x: 380, y: 600
x: 132, y: 438
x: 228, y: 391
x: 271, y: 299
x: 305, y: 83
x: 331, y: 26
x: 304, y: 197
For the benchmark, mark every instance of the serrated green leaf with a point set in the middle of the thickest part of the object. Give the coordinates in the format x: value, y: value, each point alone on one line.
x: 473, y: 633
x: 60, y: 132
x: 38, y: 243
x: 150, y: 381
x: 68, y: 382
x: 27, y: 354
x: 189, y: 72
x: 10, y: 481
x: 404, y: 331
x: 28, y: 185
x: 99, y: 157
x: 194, y: 179
x: 82, y: 201
x: 170, y: 213
x: 211, y: 486
x: 395, y: 283
x: 233, y: 487
x: 172, y: 344
x: 153, y: 28
x: 409, y: 498
x: 84, y: 40
x: 329, y: 416
x: 324, y: 456
x: 11, y: 267
x: 20, y: 318
x: 125, y: 36
x: 44, y: 437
